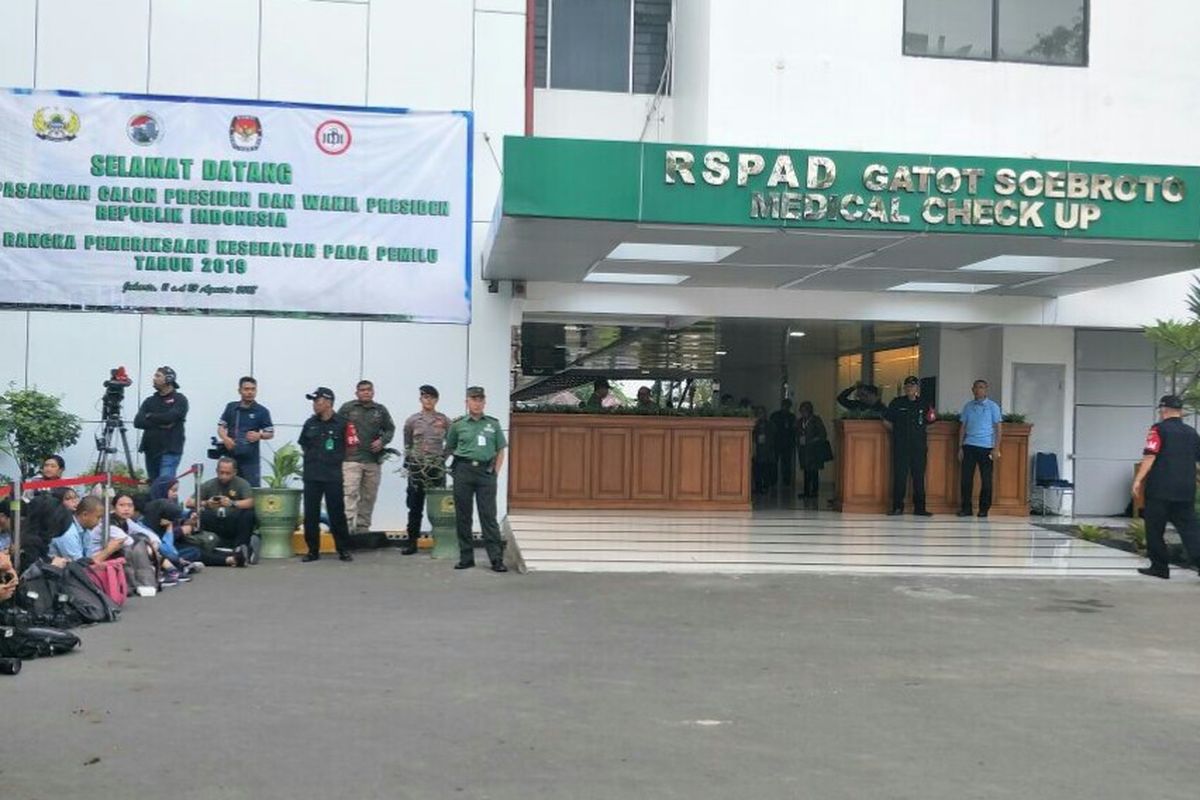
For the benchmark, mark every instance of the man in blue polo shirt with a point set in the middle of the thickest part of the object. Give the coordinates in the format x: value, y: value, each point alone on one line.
x: 978, y: 446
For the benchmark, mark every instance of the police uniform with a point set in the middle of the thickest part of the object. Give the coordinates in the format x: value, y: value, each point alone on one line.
x: 909, y: 419
x: 1171, y: 490
x: 425, y: 459
x: 475, y: 443
x: 324, y: 444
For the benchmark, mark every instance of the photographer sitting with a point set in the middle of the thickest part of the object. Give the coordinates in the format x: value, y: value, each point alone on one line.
x: 227, y: 510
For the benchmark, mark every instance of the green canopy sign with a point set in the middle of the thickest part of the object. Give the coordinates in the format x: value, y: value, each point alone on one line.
x: 815, y: 189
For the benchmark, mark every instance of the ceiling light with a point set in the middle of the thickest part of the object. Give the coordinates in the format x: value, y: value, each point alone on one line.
x: 687, y: 253
x: 1040, y: 264
x: 952, y: 288
x: 796, y: 334
x: 635, y: 277
x: 722, y: 352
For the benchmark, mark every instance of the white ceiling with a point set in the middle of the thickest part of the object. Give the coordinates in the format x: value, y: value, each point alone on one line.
x: 540, y: 249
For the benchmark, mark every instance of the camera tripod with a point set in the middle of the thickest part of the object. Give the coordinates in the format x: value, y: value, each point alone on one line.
x: 106, y: 450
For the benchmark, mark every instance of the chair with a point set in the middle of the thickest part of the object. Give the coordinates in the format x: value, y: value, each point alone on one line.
x: 1045, y: 477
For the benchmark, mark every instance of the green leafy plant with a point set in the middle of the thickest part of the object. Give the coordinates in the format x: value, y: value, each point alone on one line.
x: 702, y: 411
x: 1013, y: 418
x: 286, y: 463
x: 33, y: 426
x: 1177, y: 344
x: 1136, y: 531
x: 1092, y: 533
x: 948, y: 416
x: 862, y: 413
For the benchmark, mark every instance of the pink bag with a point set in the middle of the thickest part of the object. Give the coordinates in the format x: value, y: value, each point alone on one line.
x: 109, y: 577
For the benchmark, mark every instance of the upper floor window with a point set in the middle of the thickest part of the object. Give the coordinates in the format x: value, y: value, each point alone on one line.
x: 602, y: 45
x: 1032, y: 31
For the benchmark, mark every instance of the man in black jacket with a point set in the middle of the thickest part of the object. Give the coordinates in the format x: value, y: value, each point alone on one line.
x: 324, y: 439
x: 1166, y: 477
x: 162, y: 416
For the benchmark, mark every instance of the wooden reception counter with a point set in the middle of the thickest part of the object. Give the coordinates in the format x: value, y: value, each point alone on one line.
x: 629, y: 461
x: 864, y: 469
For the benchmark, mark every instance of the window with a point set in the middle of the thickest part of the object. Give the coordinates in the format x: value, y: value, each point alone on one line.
x: 892, y: 367
x: 1032, y: 31
x: 602, y: 45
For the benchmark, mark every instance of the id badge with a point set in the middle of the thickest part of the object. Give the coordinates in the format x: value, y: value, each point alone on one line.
x: 481, y: 440
x: 329, y: 444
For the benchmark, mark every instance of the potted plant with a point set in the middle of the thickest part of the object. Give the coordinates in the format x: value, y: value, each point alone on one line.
x: 277, y: 504
x: 430, y: 470
x: 33, y: 426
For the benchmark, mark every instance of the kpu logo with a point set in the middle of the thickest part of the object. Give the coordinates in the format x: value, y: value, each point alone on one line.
x: 245, y: 133
x: 333, y: 137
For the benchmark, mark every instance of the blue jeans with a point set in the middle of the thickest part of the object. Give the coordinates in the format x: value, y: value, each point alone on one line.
x: 162, y: 465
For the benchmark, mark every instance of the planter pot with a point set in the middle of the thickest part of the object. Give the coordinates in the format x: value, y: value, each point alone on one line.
x: 439, y: 505
x: 277, y: 511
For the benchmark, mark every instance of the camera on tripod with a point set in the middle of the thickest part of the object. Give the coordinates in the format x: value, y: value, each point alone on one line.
x: 114, y: 391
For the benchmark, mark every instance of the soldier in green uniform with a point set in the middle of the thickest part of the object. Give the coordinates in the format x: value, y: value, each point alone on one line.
x: 477, y: 444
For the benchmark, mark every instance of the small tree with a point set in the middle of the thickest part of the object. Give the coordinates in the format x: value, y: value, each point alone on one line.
x: 286, y: 463
x: 33, y: 426
x: 1178, y: 346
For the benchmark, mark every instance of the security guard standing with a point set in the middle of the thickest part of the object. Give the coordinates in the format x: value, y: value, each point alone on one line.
x: 477, y: 444
x: 1167, y: 476
x: 424, y: 458
x: 907, y: 417
x: 324, y: 439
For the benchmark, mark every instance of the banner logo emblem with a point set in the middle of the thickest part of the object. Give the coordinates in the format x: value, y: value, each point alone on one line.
x: 333, y: 137
x: 245, y: 133
x: 55, y: 124
x: 144, y: 129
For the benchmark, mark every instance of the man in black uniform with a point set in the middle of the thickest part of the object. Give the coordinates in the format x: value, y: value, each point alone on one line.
x: 162, y: 416
x: 1168, y: 476
x: 323, y: 439
x: 866, y: 398
x: 783, y: 440
x: 907, y: 417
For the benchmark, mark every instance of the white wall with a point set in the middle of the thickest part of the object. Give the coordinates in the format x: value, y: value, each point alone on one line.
x: 609, y: 115
x: 1026, y: 345
x: 456, y: 54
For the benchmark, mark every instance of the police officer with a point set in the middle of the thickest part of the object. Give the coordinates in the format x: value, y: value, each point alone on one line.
x: 324, y: 439
x: 1167, y: 476
x: 477, y: 444
x: 907, y: 418
x: 424, y: 458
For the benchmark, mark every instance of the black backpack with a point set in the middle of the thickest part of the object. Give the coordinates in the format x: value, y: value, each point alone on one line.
x: 64, y: 596
x: 84, y: 597
x: 40, y: 600
x: 35, y: 642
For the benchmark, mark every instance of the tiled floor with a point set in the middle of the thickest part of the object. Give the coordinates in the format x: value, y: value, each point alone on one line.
x: 804, y: 541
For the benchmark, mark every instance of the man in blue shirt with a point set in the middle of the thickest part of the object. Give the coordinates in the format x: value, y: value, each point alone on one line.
x: 243, y: 424
x: 979, y: 446
x: 84, y: 539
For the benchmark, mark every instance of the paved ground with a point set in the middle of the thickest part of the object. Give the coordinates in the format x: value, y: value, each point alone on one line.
x: 399, y: 678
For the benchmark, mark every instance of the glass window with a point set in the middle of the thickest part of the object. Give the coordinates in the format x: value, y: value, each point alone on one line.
x: 602, y: 45
x: 1042, y: 31
x: 892, y: 367
x: 1032, y: 31
x: 955, y: 28
x: 849, y: 369
x: 589, y: 45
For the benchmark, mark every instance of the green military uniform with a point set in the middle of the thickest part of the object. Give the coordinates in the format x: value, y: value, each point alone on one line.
x: 475, y: 443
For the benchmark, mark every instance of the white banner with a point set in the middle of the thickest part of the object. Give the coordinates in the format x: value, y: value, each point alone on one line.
x: 126, y: 201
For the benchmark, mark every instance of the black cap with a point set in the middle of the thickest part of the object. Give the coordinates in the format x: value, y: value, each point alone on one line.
x: 321, y: 391
x: 1170, y: 401
x: 169, y: 376
x: 429, y: 390
x: 912, y: 380
x: 475, y: 391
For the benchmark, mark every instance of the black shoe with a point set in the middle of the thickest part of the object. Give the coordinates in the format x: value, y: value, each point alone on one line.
x: 307, y: 557
x: 498, y: 566
x: 895, y: 512
x: 982, y: 515
x: 464, y: 565
x: 344, y: 555
x: 241, y: 555
x: 922, y: 513
x: 1155, y: 573
x: 962, y: 513
x: 409, y: 548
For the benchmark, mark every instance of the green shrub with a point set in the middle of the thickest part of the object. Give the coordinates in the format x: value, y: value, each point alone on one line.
x: 33, y: 426
x: 1092, y: 533
x: 1136, y: 531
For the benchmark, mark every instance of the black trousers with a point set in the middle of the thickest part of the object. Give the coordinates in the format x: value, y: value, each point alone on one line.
x: 973, y: 457
x: 1181, y: 514
x: 476, y: 486
x: 786, y: 458
x: 235, y: 528
x: 415, y: 497
x: 909, y: 461
x: 812, y: 483
x: 335, y: 503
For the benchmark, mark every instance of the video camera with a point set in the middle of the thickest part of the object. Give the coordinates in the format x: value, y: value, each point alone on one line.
x: 114, y: 391
x: 217, y: 450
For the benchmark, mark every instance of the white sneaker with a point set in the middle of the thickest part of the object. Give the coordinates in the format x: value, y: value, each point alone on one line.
x: 146, y: 591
